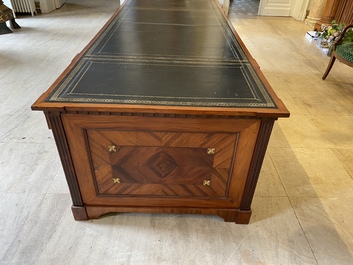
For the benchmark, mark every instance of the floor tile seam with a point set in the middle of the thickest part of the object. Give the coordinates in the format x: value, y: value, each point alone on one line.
x: 24, y: 117
x: 279, y: 175
x: 66, y: 193
x: 308, y: 148
x: 350, y: 175
x: 301, y: 196
x: 294, y: 211
x: 295, y: 252
x: 22, y: 141
x: 304, y: 233
x: 319, y: 197
x: 19, y: 141
x: 31, y: 193
x: 332, y: 114
x: 26, y: 232
x: 342, y: 114
x: 270, y: 196
x: 336, y: 224
x: 331, y: 149
x: 240, y: 243
x: 343, y: 164
x: 333, y: 222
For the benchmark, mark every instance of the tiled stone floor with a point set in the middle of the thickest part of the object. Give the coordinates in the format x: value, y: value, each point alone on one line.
x: 243, y: 8
x: 302, y: 210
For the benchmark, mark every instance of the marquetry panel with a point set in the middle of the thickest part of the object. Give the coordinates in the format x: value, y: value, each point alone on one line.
x: 161, y: 163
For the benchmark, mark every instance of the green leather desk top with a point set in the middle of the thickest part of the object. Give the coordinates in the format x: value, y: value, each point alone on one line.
x: 169, y: 53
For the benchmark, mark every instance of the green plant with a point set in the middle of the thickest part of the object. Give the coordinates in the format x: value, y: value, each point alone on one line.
x: 330, y: 33
x: 348, y: 37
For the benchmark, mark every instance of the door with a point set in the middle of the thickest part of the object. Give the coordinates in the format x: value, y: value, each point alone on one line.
x: 275, y: 8
x: 284, y: 8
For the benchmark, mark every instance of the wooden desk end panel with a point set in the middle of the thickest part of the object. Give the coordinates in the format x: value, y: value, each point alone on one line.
x: 181, y: 165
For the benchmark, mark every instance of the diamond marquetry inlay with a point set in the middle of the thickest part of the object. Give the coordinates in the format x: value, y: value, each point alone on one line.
x: 162, y: 164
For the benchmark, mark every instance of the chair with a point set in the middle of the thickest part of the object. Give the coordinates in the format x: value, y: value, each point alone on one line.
x: 342, y: 51
x: 5, y: 15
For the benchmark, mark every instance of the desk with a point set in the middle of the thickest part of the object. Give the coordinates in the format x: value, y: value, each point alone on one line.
x: 164, y: 111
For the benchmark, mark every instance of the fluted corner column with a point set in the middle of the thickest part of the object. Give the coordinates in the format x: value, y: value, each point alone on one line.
x: 315, y: 14
x: 328, y: 14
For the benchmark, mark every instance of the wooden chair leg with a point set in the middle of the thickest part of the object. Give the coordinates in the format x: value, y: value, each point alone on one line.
x: 14, y: 24
x: 330, y: 64
x: 4, y: 29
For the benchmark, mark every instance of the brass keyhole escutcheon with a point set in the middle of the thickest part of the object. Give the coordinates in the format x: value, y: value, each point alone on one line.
x: 116, y: 180
x: 111, y: 148
x: 206, y: 182
x: 211, y: 151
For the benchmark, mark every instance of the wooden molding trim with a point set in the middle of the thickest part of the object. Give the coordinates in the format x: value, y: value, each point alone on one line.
x: 255, y: 167
x: 65, y: 156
